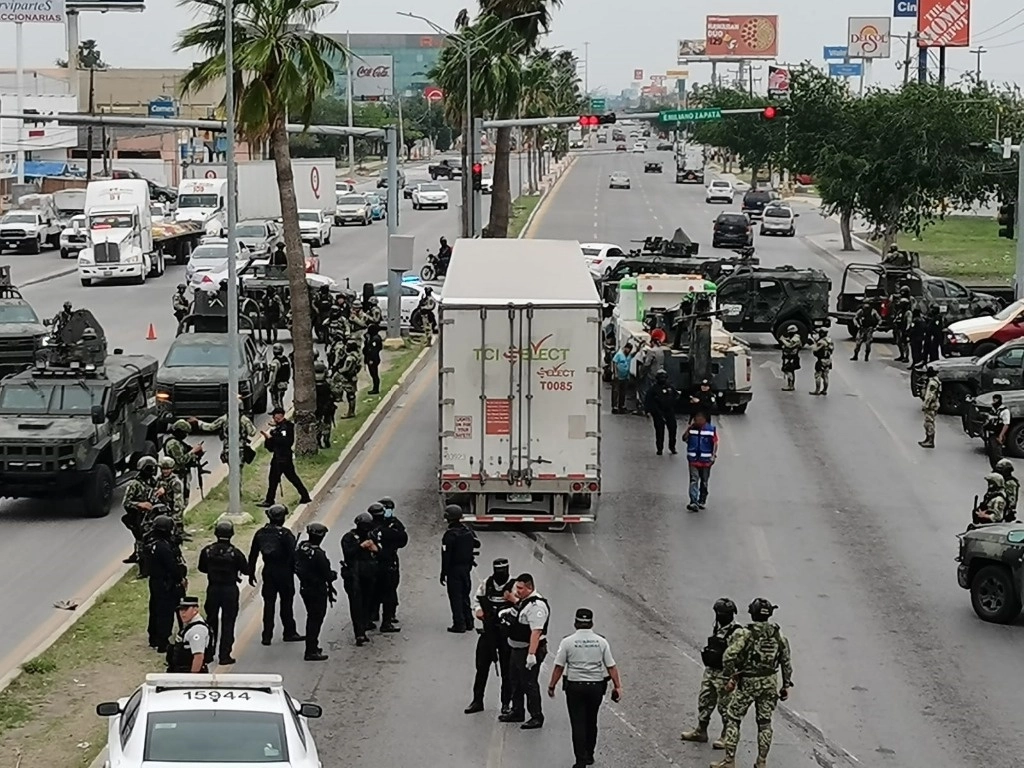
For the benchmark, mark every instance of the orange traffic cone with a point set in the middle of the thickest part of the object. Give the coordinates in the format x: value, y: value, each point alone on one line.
x: 151, y: 335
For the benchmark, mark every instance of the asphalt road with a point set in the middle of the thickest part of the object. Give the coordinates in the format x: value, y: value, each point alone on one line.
x: 81, y: 553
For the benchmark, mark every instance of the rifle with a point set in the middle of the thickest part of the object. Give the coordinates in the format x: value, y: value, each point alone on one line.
x: 201, y: 469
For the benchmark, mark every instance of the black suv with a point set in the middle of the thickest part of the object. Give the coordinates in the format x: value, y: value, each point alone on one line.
x: 732, y: 230
x: 755, y: 200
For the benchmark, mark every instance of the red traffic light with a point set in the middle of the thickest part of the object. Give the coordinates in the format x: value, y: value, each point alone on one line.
x: 477, y: 168
x: 589, y: 120
x: 769, y: 113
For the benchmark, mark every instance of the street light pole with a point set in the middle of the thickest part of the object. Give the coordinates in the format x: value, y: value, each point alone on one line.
x: 234, y: 421
x: 348, y: 86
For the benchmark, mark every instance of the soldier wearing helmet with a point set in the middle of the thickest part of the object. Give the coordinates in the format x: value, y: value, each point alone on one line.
x: 61, y: 319
x: 459, y: 548
x: 791, y: 343
x: 360, y: 550
x: 325, y: 406
x: 1011, y: 488
x: 167, y: 573
x: 372, y: 313
x: 276, y: 545
x: 224, y: 564
x: 316, y: 586
x: 345, y: 379
x: 180, y: 304
x: 902, y: 309
x: 220, y: 426
x: 660, y: 405
x: 931, y: 396
x: 186, y: 457
x: 750, y: 665
x: 392, y: 536
x: 992, y: 508
x: 866, y: 320
x: 996, y: 428
x: 138, y: 503
x: 170, y: 493
x: 822, y: 349
x: 712, y: 693
x: 280, y: 376
x: 338, y: 328
x: 272, y: 310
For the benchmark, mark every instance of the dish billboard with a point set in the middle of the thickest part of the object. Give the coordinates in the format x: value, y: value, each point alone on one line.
x: 742, y: 37
x: 944, y: 23
x: 869, y: 37
x: 691, y: 49
x: 373, y: 77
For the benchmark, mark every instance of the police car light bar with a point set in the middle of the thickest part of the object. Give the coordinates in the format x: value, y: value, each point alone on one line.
x: 212, y: 680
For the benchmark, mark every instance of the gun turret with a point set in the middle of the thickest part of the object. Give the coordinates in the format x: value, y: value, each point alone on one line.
x: 79, y: 345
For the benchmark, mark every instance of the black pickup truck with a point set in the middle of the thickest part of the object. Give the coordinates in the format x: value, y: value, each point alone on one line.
x: 446, y: 169
x: 978, y: 412
x: 964, y: 378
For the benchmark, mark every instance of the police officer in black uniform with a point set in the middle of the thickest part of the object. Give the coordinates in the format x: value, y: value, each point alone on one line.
x: 316, y: 585
x: 223, y: 563
x: 360, y: 550
x: 492, y: 645
x: 392, y: 537
x: 272, y: 309
x: 661, y: 402
x: 459, y: 547
x: 280, y: 442
x: 277, y: 546
x: 167, y: 573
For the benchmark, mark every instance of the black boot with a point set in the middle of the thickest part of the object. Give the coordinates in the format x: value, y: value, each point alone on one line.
x: 474, y: 706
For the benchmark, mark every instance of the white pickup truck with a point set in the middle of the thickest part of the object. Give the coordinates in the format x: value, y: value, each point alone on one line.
x: 30, y: 230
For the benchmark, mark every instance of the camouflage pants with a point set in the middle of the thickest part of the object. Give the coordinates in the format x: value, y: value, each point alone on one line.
x: 864, y: 338
x: 712, y: 694
x: 277, y: 395
x: 324, y: 426
x: 821, y: 375
x: 929, y: 425
x: 902, y: 338
x: 763, y: 693
x: 790, y: 379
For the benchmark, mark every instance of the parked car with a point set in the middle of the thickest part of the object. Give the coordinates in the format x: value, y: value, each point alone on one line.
x: 412, y: 291
x: 620, y: 147
x: 29, y: 230
x: 315, y: 227
x: 353, y: 208
x: 382, y: 179
x: 429, y: 196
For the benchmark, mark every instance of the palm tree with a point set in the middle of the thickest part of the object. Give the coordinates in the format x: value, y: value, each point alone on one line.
x: 281, y: 68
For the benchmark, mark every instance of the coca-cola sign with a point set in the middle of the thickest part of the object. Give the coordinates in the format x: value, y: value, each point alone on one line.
x: 372, y: 77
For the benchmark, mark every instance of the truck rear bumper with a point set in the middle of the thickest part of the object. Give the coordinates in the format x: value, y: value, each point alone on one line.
x: 529, y: 519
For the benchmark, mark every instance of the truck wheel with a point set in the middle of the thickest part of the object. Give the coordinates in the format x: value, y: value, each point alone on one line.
x: 994, y: 595
x: 36, y: 246
x: 63, y: 253
x: 740, y: 409
x: 953, y: 398
x: 98, y: 492
x: 141, y: 279
x: 86, y: 282
x: 1015, y: 440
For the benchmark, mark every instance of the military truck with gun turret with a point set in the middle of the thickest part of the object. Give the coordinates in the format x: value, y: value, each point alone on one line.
x: 770, y: 299
x: 74, y: 424
x: 21, y: 331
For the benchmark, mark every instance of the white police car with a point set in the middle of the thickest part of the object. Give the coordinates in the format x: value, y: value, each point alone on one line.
x: 214, y: 721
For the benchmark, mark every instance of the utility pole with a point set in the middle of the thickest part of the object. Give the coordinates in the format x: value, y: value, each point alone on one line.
x: 348, y: 91
x: 907, y: 61
x: 978, y: 52
x: 89, y: 130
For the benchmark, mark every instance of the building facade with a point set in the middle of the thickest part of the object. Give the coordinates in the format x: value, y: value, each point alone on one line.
x: 412, y: 57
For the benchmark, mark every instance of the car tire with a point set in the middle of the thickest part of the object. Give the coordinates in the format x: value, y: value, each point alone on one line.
x: 327, y: 240
x: 63, y: 253
x: 984, y: 348
x: 763, y: 232
x: 739, y: 409
x: 445, y: 206
x: 801, y: 328
x: 37, y: 246
x: 86, y: 282
x: 98, y: 493
x: 1015, y: 440
x: 315, y: 244
x: 792, y: 233
x: 994, y: 595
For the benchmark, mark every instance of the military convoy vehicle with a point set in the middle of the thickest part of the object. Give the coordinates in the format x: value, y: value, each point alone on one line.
x: 769, y: 300
x: 990, y: 564
x: 978, y: 412
x: 21, y: 331
x: 964, y: 378
x: 74, y: 424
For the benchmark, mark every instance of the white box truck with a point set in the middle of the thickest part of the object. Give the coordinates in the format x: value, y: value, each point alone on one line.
x: 520, y: 383
x: 258, y: 197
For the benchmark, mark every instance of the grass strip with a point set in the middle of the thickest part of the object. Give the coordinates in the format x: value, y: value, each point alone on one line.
x: 522, y: 207
x: 47, y: 714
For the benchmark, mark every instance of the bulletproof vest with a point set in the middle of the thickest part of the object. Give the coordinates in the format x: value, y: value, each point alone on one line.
x: 272, y: 545
x: 222, y: 564
x: 284, y: 371
x: 714, y: 651
x: 763, y: 648
x: 521, y: 632
x: 462, y: 546
x: 993, y: 424
x: 305, y: 553
x: 179, y: 655
x: 493, y: 599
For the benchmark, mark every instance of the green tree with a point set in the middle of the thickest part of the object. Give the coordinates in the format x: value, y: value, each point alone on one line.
x: 282, y: 67
x: 89, y: 57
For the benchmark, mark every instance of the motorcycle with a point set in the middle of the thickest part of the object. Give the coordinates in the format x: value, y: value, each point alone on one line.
x: 432, y: 269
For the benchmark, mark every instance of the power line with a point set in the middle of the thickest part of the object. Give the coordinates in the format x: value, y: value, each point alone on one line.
x: 996, y: 26
x: 1001, y: 34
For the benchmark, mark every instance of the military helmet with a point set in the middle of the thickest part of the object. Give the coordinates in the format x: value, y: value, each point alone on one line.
x: 224, y: 530
x: 163, y: 523
x: 374, y: 301
x: 905, y: 291
x: 316, y: 531
x: 725, y: 605
x: 995, y: 479
x: 1004, y: 467
x: 182, y: 425
x: 278, y: 349
x: 319, y: 367
x: 363, y: 520
x: 387, y: 502
x: 661, y: 374
x: 276, y: 513
x: 760, y: 608
x: 376, y: 510
x: 930, y: 371
x: 335, y: 311
x: 181, y: 286
x: 823, y: 332
x: 67, y: 306
x: 352, y: 345
x: 146, y: 462
x: 453, y: 513
x: 166, y: 462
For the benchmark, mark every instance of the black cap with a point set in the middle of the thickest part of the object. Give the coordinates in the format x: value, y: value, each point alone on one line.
x: 584, y: 616
x: 277, y: 411
x: 387, y: 502
x: 188, y: 602
x: 705, y: 383
x: 316, y: 529
x: 500, y: 563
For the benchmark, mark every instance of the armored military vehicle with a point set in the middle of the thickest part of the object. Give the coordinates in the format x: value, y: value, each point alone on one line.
x: 990, y: 564
x: 74, y: 423
x: 21, y: 331
x: 1001, y: 370
x: 768, y: 300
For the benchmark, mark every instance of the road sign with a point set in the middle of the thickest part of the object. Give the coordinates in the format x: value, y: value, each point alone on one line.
x: 904, y: 9
x: 690, y: 115
x: 845, y: 70
x: 432, y: 93
x: 163, y: 107
x: 835, y: 52
x: 597, y: 105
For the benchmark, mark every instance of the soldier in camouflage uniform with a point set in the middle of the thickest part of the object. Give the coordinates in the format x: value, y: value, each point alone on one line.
x: 347, y: 377
x: 280, y: 377
x: 357, y: 323
x: 751, y: 664
x: 219, y: 426
x: 930, y: 398
x: 372, y: 313
x: 902, y: 316
x: 712, y: 685
x: 338, y: 328
x: 272, y: 310
x: 185, y: 456
x: 180, y: 303
x: 325, y: 405
x: 822, y: 349
x: 1011, y: 488
x: 992, y: 508
x: 791, y: 345
x: 170, y: 492
x: 336, y: 352
x: 867, y: 321
x: 138, y: 503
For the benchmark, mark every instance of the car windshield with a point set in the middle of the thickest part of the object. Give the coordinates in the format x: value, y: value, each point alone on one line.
x: 215, y: 736
x: 198, y: 354
x: 69, y: 398
x: 309, y: 215
x: 352, y: 200
x: 17, y: 313
x: 777, y: 213
x: 111, y: 221
x: 197, y: 201
x: 251, y: 230
x: 19, y: 218
x: 210, y: 252
x: 79, y: 220
x: 1010, y: 311
x: 431, y: 188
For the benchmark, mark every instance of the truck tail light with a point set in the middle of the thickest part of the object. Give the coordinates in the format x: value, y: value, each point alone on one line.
x: 577, y: 487
x: 463, y: 486
x: 593, y: 487
x: 446, y: 486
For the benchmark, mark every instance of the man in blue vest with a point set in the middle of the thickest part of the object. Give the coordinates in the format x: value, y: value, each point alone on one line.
x: 701, y: 454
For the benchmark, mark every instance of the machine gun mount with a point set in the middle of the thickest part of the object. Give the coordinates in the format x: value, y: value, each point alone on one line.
x: 77, y: 348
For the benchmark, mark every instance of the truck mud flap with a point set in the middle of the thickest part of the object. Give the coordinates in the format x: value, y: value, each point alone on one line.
x: 529, y: 519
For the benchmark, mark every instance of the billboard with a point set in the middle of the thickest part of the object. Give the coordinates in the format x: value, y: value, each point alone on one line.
x: 742, y: 37
x: 638, y: 75
x: 904, y: 9
x: 853, y: 69
x: 677, y: 73
x: 106, y: 5
x: 869, y: 37
x: 32, y: 11
x: 778, y: 82
x: 944, y: 23
x: 691, y: 49
x: 373, y: 77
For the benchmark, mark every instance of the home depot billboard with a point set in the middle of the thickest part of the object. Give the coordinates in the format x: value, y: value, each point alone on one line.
x: 944, y: 23
x: 741, y: 37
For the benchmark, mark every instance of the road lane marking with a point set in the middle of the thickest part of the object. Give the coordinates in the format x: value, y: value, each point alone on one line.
x: 764, y: 554
x: 496, y: 746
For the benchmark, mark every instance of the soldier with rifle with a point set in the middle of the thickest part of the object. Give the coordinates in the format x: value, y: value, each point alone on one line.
x: 219, y: 426
x: 185, y: 456
x: 180, y: 304
x: 137, y: 503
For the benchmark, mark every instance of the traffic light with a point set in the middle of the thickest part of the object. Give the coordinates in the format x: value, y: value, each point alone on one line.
x: 478, y: 177
x: 592, y: 120
x: 772, y: 112
x: 1007, y: 218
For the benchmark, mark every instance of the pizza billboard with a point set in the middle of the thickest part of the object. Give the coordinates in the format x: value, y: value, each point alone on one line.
x: 741, y: 37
